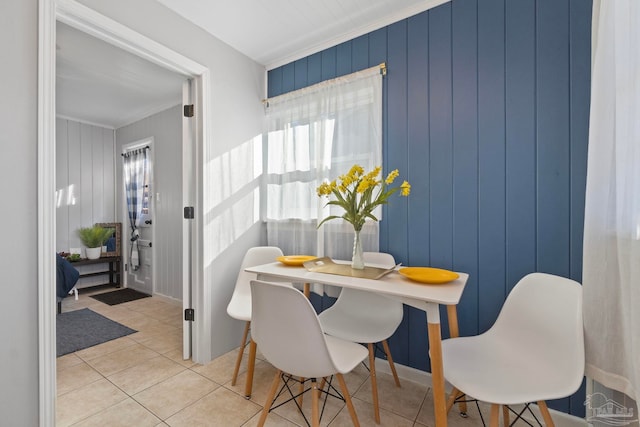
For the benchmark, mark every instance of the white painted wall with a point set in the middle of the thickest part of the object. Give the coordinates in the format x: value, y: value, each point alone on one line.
x: 166, y: 129
x: 85, y: 182
x: 18, y: 186
x: 237, y: 88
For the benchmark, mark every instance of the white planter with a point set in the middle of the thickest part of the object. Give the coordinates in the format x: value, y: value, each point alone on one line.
x: 93, y: 253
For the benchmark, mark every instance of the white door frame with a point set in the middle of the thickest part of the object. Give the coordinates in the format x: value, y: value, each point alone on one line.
x: 85, y: 19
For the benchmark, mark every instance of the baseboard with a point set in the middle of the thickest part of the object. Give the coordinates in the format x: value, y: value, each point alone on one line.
x: 172, y: 301
x: 406, y: 373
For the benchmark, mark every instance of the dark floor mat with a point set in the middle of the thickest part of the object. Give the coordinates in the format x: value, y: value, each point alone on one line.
x: 120, y: 296
x: 76, y: 330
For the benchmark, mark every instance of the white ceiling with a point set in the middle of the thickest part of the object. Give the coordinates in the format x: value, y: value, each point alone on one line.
x: 101, y: 84
x: 276, y: 32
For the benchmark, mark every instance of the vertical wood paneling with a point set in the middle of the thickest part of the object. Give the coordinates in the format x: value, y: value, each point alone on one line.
x: 288, y: 77
x: 553, y: 137
x: 108, y: 154
x: 343, y: 59
x: 521, y: 143
x: 465, y: 163
x: 75, y: 176
x: 84, y: 174
x: 440, y: 137
x: 300, y: 76
x: 314, y: 68
x: 97, y: 174
x: 62, y: 185
x: 580, y: 51
x: 360, y: 52
x: 485, y: 111
x: 491, y: 161
x: 580, y: 95
x: 329, y: 63
x: 274, y: 82
x: 418, y: 137
x: 395, y: 157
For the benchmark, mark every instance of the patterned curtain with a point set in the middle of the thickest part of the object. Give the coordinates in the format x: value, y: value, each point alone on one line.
x: 136, y: 167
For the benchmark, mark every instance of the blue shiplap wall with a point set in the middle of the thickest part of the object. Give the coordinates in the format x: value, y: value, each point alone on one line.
x: 486, y: 107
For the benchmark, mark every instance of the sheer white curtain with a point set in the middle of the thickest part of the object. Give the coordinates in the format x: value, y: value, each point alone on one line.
x: 314, y: 134
x: 611, y: 272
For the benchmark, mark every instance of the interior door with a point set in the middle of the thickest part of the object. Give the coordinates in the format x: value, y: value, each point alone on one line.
x: 141, y: 279
x: 188, y: 199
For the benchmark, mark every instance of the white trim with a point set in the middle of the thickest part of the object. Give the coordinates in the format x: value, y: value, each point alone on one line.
x: 91, y: 22
x: 46, y: 212
x: 87, y: 20
x: 357, y: 32
x: 201, y: 288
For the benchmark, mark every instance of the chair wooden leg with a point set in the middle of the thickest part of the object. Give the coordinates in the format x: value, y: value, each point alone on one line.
x: 454, y: 332
x: 240, y: 353
x: 347, y: 398
x: 545, y: 413
x: 251, y: 366
x: 315, y: 407
x: 301, y: 389
x: 385, y: 345
x: 505, y: 415
x: 495, y: 415
x: 455, y: 393
x: 374, y: 383
x: 270, y: 396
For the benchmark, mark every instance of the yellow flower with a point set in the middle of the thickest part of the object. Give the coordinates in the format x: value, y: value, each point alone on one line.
x: 356, y: 171
x: 365, y: 184
x: 392, y: 176
x: 324, y: 189
x: 405, y: 189
x: 355, y: 192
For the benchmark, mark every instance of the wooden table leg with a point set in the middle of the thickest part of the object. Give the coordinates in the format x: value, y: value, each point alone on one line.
x: 307, y: 290
x: 454, y: 332
x: 437, y: 375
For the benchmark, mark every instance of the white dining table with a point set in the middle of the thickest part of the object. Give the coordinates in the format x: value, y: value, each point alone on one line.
x: 425, y: 297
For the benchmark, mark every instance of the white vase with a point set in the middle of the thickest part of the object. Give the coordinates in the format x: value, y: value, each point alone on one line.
x: 357, y: 259
x: 93, y: 253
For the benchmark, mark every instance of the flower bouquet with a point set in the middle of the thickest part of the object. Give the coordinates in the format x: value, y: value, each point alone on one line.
x: 359, y: 194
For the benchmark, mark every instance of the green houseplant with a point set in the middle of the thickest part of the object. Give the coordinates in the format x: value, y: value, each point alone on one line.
x: 93, y: 238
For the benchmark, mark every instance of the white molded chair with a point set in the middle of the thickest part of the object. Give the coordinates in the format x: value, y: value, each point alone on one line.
x: 286, y: 328
x: 367, y: 318
x: 240, y: 306
x: 534, y: 351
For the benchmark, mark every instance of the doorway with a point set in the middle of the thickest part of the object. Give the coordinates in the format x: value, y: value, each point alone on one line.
x: 87, y: 20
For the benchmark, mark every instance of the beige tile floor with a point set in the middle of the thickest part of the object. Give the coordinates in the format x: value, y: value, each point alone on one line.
x: 141, y: 380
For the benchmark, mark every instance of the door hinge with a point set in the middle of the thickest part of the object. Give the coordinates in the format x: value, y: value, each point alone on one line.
x: 189, y: 212
x: 189, y: 110
x: 189, y: 314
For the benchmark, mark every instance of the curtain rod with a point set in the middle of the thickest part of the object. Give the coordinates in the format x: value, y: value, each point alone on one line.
x: 382, y: 67
x: 146, y: 147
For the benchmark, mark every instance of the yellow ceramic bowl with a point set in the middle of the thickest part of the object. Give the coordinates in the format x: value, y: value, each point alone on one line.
x: 428, y: 275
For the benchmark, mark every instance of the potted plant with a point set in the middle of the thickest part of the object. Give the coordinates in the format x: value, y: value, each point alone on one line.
x: 93, y: 238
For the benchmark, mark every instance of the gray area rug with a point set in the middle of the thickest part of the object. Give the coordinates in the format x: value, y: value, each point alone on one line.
x: 76, y: 330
